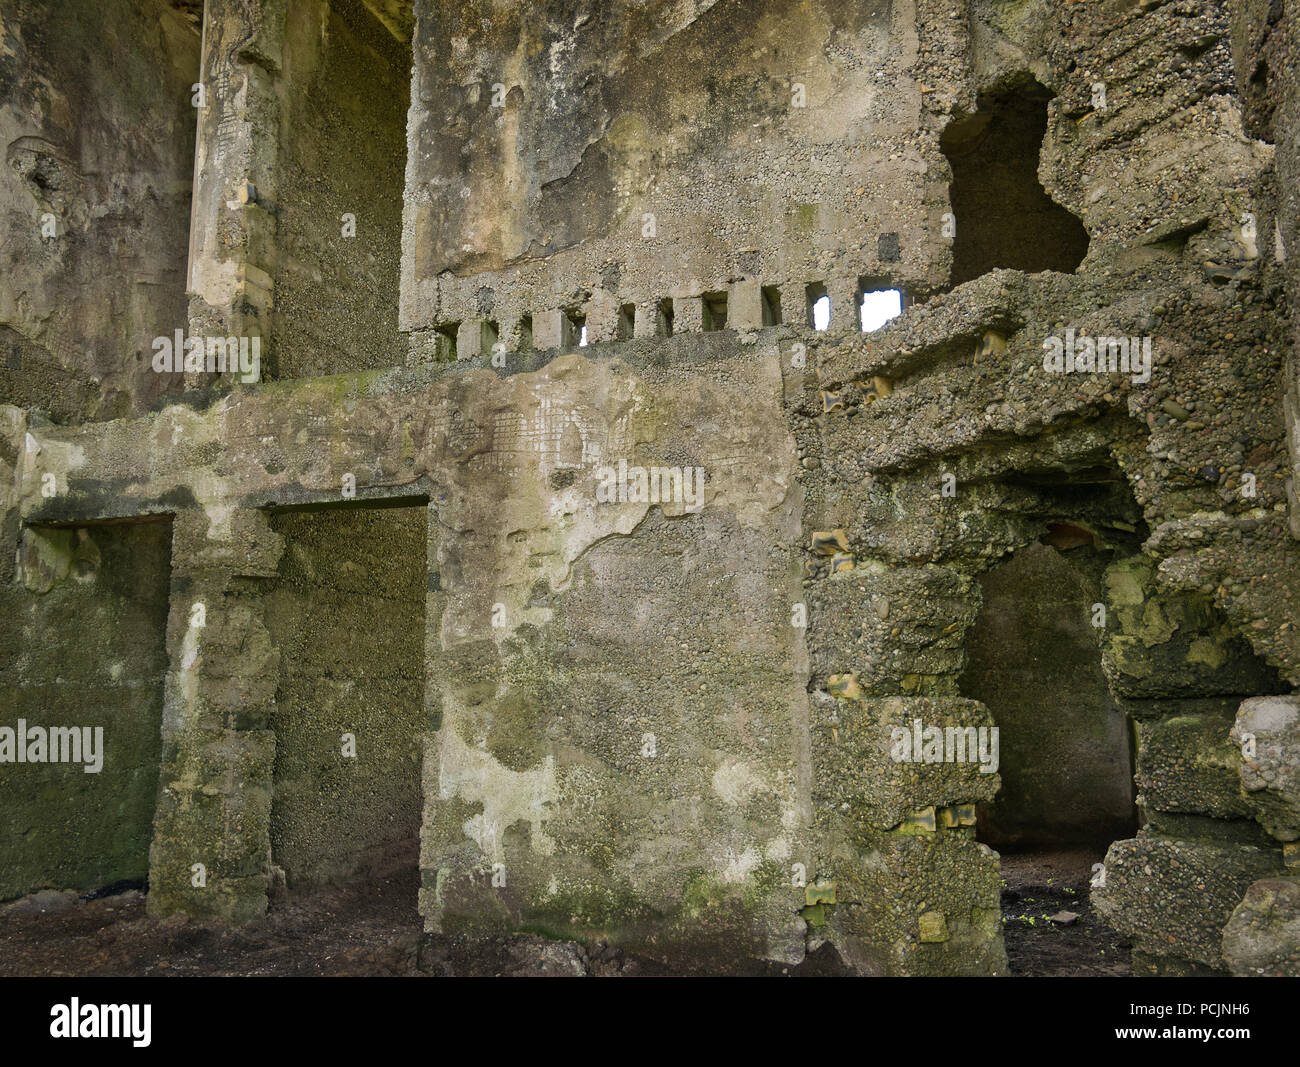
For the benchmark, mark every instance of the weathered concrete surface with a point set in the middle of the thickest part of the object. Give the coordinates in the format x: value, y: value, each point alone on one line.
x: 1267, y: 731
x: 1262, y: 938
x: 1173, y: 897
x: 94, y: 200
x: 657, y: 723
x: 447, y: 438
x: 1265, y: 41
x: 574, y: 159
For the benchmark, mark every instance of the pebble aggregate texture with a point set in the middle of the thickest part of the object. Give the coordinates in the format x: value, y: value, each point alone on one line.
x: 666, y: 725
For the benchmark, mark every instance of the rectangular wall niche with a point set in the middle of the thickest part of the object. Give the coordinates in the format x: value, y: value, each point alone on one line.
x: 90, y: 618
x: 347, y: 612
x: 341, y: 170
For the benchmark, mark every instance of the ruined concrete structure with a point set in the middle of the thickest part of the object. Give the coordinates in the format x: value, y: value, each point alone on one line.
x: 403, y: 589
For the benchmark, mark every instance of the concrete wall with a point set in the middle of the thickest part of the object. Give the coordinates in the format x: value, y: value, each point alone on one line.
x: 541, y: 139
x: 855, y: 487
x: 98, y: 132
x: 81, y: 644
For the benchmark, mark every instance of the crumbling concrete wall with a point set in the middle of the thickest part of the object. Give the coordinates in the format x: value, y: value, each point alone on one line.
x: 672, y: 723
x: 1265, y: 41
x: 585, y: 160
x: 97, y: 128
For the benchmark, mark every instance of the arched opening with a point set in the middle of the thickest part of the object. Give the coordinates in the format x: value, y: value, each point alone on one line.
x: 1035, y: 657
x: 1004, y: 217
x: 1114, y: 694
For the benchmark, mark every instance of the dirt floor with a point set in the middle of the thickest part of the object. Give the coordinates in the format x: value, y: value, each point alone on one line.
x: 1037, y: 886
x: 366, y: 929
x: 373, y: 929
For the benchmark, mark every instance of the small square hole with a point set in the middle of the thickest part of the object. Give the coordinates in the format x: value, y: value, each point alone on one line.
x: 446, y: 332
x: 715, y: 311
x: 664, y: 317
x: 771, y: 296
x: 575, y: 329
x: 626, y: 322
x: 819, y: 306
x: 877, y: 303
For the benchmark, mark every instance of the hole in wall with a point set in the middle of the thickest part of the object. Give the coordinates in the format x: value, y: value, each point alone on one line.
x: 626, y: 325
x: 715, y: 311
x: 877, y: 306
x: 1033, y: 659
x: 814, y: 294
x: 664, y: 318
x: 445, y: 338
x: 821, y: 313
x: 771, y: 297
x: 573, y: 325
x: 1004, y: 216
x: 1065, y: 754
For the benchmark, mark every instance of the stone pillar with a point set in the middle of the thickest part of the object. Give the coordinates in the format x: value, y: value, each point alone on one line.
x: 232, y: 222
x: 745, y: 305
x: 647, y: 321
x: 602, y: 318
x: 210, y: 856
x: 688, y: 314
x: 551, y: 330
x: 901, y: 886
x: 474, y: 339
x: 1172, y: 888
x: 845, y: 317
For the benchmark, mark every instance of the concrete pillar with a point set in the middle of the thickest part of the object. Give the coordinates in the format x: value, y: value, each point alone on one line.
x: 551, y: 330
x: 845, y: 317
x: 745, y: 305
x: 474, y: 339
x: 688, y: 314
x: 210, y: 856
x: 647, y: 323
x: 602, y: 318
x: 232, y: 221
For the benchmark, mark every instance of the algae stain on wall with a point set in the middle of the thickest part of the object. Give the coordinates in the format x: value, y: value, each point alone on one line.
x: 473, y: 775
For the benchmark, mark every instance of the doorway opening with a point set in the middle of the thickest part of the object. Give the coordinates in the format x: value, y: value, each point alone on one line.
x: 347, y: 612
